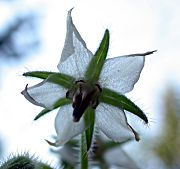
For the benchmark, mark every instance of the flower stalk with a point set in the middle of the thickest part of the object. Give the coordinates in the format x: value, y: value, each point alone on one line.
x: 83, y: 152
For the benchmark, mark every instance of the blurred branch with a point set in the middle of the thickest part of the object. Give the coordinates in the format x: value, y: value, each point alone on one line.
x: 19, y: 37
x: 1, y: 148
x: 167, y: 146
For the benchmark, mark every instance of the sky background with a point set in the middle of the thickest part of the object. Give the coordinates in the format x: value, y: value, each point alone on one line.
x: 135, y: 27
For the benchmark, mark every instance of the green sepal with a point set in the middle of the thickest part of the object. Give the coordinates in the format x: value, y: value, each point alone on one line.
x: 60, y: 102
x: 89, y: 118
x: 110, y: 97
x: 61, y: 79
x: 54, y: 77
x: 95, y: 66
x: 38, y: 74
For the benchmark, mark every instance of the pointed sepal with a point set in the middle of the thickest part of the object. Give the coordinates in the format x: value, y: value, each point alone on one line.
x: 38, y: 74
x: 110, y: 97
x: 54, y: 77
x: 60, y: 102
x: 95, y: 66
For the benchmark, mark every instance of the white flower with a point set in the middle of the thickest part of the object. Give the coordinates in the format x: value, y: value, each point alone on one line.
x: 118, y: 74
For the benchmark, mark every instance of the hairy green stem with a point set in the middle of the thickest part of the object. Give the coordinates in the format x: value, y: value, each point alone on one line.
x: 86, y: 137
x: 83, y: 152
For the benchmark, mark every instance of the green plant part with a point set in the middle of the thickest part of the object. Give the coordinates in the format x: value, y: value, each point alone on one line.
x: 23, y: 161
x: 167, y: 145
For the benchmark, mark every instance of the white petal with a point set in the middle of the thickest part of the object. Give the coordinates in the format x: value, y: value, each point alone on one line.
x: 75, y: 56
x: 66, y: 129
x: 121, y: 73
x: 113, y: 123
x: 44, y: 94
x: 116, y: 156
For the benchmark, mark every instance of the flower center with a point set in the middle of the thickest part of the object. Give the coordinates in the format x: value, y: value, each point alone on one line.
x: 83, y: 94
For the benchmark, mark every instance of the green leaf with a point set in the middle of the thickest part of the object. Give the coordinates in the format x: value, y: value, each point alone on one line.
x: 89, y: 117
x: 54, y: 77
x: 60, y: 102
x: 110, y: 97
x: 97, y: 62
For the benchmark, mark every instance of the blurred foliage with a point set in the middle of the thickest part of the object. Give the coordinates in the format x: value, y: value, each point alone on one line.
x: 14, y: 42
x: 167, y: 146
x: 18, y: 33
x: 1, y: 148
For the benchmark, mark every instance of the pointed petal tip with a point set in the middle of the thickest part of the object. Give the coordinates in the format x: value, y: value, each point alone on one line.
x: 51, y: 143
x: 150, y: 52
x: 25, y: 90
x: 29, y: 98
x: 69, y: 12
x: 154, y: 51
x: 137, y: 138
x: 136, y: 135
x: 142, y: 54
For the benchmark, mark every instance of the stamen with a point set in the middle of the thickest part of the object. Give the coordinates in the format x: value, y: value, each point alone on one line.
x: 79, y: 81
x: 99, y: 87
x: 83, y: 94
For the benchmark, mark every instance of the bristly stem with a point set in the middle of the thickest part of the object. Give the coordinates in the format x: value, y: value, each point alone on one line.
x: 83, y: 152
x: 89, y: 118
x: 86, y: 137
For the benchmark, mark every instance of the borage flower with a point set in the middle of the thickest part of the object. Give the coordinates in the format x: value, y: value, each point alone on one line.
x: 89, y: 90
